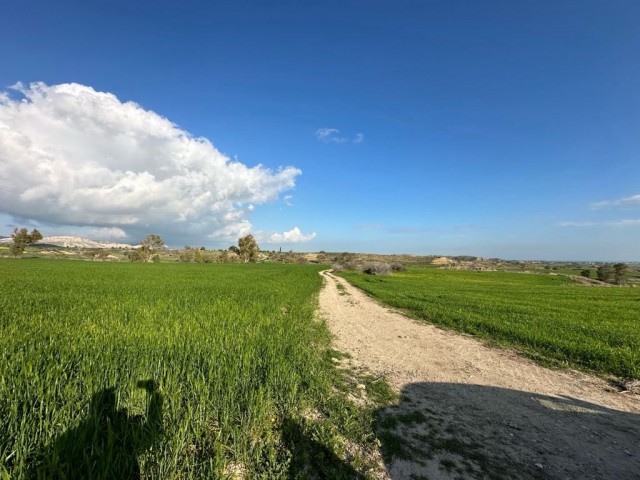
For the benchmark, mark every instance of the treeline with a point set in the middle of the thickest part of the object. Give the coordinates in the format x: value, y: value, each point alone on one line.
x: 197, y: 255
x: 615, y: 274
x: 247, y: 251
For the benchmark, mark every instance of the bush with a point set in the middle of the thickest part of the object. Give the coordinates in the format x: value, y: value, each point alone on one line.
x: 186, y: 255
x: 136, y: 255
x: 348, y: 265
x: 398, y: 267
x: 377, y: 269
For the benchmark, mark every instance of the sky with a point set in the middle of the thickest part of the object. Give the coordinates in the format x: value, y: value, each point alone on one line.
x: 499, y: 128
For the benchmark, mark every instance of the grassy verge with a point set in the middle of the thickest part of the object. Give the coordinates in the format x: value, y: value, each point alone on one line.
x: 171, y: 371
x: 547, y: 317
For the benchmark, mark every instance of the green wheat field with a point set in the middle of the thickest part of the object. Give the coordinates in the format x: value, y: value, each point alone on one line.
x: 549, y: 317
x: 156, y: 371
x: 126, y: 370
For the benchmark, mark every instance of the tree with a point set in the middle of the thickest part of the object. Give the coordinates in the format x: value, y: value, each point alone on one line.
x: 148, y: 246
x: 248, y: 248
x: 21, y: 238
x: 152, y: 242
x: 620, y: 273
x: 586, y: 273
x: 35, y: 236
x: 605, y: 273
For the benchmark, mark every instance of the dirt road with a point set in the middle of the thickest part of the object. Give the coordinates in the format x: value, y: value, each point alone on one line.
x: 470, y: 411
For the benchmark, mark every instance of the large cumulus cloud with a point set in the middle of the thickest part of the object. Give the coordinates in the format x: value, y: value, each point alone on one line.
x: 70, y: 155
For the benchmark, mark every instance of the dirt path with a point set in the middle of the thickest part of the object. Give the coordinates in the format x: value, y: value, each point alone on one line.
x: 469, y: 411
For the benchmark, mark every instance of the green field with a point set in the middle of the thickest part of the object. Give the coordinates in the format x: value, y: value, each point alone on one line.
x: 548, y: 317
x: 167, y: 370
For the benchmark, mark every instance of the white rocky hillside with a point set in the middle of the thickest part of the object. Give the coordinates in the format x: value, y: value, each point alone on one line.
x: 74, y: 242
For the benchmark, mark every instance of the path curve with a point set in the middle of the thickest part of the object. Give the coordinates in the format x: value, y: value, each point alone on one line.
x: 531, y: 421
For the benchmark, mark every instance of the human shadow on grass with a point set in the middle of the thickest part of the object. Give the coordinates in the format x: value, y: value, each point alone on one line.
x: 310, y: 458
x: 475, y: 431
x: 107, y: 443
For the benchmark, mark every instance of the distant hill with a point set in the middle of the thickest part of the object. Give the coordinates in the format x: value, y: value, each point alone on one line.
x: 73, y: 242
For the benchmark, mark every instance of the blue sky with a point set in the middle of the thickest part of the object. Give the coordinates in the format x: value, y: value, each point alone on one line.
x: 501, y: 129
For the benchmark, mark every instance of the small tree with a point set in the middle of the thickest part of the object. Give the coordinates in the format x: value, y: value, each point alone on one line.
x: 248, y: 248
x: 586, y: 273
x: 35, y: 236
x: 620, y: 273
x: 605, y: 273
x: 21, y: 238
x: 149, y: 245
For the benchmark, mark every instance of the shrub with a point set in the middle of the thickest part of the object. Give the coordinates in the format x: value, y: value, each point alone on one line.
x: 135, y: 255
x: 348, y: 265
x: 186, y: 255
x: 377, y: 269
x: 398, y: 267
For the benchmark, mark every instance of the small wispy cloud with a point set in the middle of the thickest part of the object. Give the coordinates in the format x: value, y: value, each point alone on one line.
x: 577, y: 224
x: 292, y: 236
x: 287, y: 199
x: 332, y: 135
x: 632, y: 201
x: 626, y: 222
x: 327, y: 134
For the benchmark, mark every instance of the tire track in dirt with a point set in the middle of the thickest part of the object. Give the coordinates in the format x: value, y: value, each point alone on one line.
x: 470, y: 411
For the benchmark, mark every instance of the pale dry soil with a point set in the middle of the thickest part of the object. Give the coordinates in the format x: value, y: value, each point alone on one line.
x: 470, y: 411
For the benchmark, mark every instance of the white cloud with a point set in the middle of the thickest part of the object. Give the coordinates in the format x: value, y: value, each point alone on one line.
x: 632, y: 201
x: 292, y: 236
x: 233, y: 230
x: 107, y: 233
x: 326, y: 133
x: 332, y: 135
x: 70, y: 155
x: 287, y: 200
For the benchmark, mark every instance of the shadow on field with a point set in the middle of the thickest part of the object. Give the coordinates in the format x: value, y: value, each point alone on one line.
x: 473, y: 431
x: 312, y: 459
x: 106, y: 444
